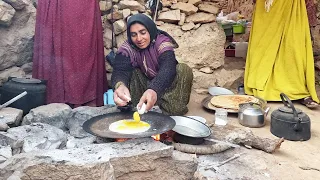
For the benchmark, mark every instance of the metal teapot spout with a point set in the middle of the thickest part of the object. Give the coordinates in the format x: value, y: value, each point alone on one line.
x: 266, y: 111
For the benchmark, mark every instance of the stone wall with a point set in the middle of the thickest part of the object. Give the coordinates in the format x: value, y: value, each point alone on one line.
x: 190, y: 22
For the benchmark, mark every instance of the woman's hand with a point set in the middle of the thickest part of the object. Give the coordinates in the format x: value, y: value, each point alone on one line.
x: 150, y: 97
x: 121, y: 95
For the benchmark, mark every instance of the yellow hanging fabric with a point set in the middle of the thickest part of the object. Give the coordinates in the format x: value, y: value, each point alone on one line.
x: 280, y: 57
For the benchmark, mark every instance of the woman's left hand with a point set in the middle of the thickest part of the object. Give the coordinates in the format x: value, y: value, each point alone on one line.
x: 149, y: 96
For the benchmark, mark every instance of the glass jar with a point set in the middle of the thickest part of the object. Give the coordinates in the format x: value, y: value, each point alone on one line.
x: 221, y: 117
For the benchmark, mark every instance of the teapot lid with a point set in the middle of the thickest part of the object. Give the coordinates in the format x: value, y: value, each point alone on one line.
x: 26, y: 80
x: 289, y: 110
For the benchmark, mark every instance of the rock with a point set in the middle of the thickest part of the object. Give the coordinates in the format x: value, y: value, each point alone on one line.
x: 35, y: 3
x: 188, y: 26
x: 159, y: 23
x: 197, y: 26
x: 182, y: 19
x: 119, y: 26
x: 208, y: 8
x: 126, y: 13
x: 6, y: 14
x: 206, y: 70
x: 11, y: 116
x: 16, y: 4
x: 317, y: 65
x: 105, y: 22
x: 107, y: 38
x: 5, y: 153
x: 16, y: 44
x: 11, y: 140
x: 11, y: 72
x: 79, y: 142
x: 55, y: 114
x: 197, y: 51
x: 168, y: 3
x: 84, y: 113
x: 187, y: 8
x: 194, y: 2
x: 105, y: 5
x: 4, y: 126
x: 315, y: 31
x: 121, y: 38
x: 116, y: 16
x: 134, y: 12
x: 201, y: 18
x: 170, y: 16
x: 38, y: 136
x: 165, y: 9
x: 27, y: 68
x: 132, y: 5
x: 223, y: 78
x: 132, y: 159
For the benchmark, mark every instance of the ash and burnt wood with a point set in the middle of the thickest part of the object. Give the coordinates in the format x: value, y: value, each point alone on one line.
x: 99, y: 125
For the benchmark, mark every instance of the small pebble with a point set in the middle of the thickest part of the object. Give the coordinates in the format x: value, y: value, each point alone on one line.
x: 4, y: 127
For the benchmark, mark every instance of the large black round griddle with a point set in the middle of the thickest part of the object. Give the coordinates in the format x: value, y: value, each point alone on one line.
x: 99, y: 125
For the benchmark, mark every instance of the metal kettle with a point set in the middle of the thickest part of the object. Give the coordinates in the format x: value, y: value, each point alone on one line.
x: 252, y: 115
x: 290, y: 122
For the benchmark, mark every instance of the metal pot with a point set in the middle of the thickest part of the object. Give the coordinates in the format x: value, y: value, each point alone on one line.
x: 252, y: 115
x: 189, y: 130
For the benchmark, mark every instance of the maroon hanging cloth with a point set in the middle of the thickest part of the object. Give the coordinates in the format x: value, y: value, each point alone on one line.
x: 68, y: 51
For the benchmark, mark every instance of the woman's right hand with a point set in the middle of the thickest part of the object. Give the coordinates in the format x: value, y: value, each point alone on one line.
x: 121, y: 95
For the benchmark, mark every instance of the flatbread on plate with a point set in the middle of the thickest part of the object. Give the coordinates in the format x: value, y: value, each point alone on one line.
x: 232, y: 101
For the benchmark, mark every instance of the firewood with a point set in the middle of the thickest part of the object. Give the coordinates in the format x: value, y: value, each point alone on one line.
x: 247, y: 138
x: 201, y: 149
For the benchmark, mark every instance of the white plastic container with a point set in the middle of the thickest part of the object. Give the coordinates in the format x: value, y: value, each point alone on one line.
x: 221, y: 117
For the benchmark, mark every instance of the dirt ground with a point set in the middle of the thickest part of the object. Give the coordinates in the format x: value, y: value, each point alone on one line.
x: 284, y: 164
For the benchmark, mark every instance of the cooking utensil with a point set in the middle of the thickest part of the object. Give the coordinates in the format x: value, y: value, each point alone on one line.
x: 198, y: 118
x: 189, y: 130
x: 214, y: 91
x: 99, y: 125
x: 290, y: 122
x: 13, y: 100
x: 207, y: 104
x: 252, y: 115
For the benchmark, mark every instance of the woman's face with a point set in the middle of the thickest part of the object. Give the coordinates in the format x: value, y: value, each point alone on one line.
x: 140, y: 35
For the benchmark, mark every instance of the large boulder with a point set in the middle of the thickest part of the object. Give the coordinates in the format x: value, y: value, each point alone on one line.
x: 229, y: 79
x: 39, y: 136
x: 129, y: 160
x: 55, y: 114
x: 6, y: 14
x: 16, y: 44
x: 203, y: 47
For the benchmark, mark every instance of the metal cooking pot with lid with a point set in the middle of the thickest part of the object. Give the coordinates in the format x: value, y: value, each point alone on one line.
x: 289, y: 122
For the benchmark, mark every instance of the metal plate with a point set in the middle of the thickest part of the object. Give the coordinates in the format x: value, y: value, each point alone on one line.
x: 191, y: 127
x: 207, y: 104
x: 99, y: 125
